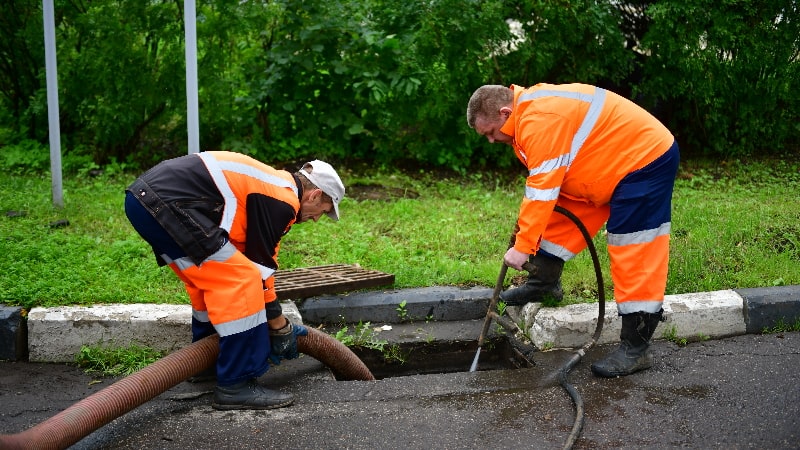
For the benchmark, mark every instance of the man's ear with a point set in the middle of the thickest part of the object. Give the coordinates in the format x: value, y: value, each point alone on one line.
x: 505, y: 112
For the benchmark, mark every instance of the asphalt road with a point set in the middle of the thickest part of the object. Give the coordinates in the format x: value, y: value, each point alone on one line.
x: 736, y: 393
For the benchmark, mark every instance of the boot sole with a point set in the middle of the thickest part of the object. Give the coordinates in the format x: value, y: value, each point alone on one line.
x: 606, y: 374
x: 203, y: 379
x: 223, y: 407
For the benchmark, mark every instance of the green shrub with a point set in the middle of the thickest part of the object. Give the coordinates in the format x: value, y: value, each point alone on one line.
x: 725, y: 75
x: 25, y: 157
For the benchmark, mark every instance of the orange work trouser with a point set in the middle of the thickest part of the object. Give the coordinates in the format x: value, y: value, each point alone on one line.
x: 638, y: 221
x: 227, y: 294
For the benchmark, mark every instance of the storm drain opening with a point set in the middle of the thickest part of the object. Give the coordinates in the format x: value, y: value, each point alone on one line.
x: 428, y: 358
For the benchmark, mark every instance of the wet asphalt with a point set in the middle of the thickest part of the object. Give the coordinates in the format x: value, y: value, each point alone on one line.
x: 741, y: 392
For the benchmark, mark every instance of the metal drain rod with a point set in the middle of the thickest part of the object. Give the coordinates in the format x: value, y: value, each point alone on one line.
x: 490, y: 314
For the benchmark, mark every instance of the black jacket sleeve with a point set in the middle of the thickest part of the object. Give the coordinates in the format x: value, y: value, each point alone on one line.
x: 268, y: 219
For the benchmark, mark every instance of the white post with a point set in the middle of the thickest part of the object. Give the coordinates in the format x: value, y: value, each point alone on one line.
x: 52, y: 102
x: 192, y: 119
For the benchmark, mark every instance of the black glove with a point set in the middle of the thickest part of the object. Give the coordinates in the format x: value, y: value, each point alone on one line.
x: 283, y: 342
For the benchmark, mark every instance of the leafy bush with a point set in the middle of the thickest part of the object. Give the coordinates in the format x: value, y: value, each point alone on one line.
x: 25, y: 157
x: 725, y: 75
x: 387, y: 81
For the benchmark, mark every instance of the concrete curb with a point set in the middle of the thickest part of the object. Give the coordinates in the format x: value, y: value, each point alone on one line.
x: 434, y: 303
x: 688, y: 316
x: 13, y: 334
x: 56, y: 334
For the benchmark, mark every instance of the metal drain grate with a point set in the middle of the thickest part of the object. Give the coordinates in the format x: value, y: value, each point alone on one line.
x: 330, y: 279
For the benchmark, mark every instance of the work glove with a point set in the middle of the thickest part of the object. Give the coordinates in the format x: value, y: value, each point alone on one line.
x: 283, y: 342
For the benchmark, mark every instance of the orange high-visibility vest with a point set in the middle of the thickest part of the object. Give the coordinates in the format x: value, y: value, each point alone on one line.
x: 238, y: 178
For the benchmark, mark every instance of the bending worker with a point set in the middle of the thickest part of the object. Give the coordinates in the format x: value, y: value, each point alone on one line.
x: 606, y: 160
x: 217, y: 218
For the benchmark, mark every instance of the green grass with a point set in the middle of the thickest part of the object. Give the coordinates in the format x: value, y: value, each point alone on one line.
x: 782, y: 326
x: 735, y: 225
x: 362, y: 336
x: 115, y: 361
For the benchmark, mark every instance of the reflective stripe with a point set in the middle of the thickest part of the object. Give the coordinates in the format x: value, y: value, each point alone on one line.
x: 595, y: 108
x: 252, y: 172
x: 596, y: 102
x: 634, y: 306
x: 549, y: 165
x: 243, y: 324
x: 639, y: 237
x: 200, y: 316
x: 216, y: 168
x: 556, y: 250
x: 555, y: 93
x: 223, y: 254
x: 521, y: 152
x: 266, y: 272
x: 543, y: 195
x: 229, y: 210
x: 183, y: 263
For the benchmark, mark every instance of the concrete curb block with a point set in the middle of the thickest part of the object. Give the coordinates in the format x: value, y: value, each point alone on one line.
x: 691, y: 316
x: 765, y: 307
x: 57, y: 334
x: 13, y: 334
x: 434, y: 303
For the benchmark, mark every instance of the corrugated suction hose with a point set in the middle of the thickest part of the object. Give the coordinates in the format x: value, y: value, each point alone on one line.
x: 81, y: 419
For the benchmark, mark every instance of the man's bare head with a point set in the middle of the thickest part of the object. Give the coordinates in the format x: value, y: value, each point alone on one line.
x: 488, y: 110
x: 487, y: 101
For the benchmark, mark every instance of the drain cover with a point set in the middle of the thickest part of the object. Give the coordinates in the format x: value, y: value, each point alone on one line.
x: 331, y: 279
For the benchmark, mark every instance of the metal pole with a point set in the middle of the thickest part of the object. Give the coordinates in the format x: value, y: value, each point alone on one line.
x: 52, y: 102
x: 192, y: 120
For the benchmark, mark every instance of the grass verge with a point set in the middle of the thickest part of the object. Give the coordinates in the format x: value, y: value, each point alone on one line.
x: 734, y: 225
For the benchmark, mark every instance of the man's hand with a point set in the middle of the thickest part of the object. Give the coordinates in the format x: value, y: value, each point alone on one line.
x: 515, y: 258
x: 283, y: 342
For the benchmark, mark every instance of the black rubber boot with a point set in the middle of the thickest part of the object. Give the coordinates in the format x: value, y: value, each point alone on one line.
x: 544, y: 283
x: 249, y: 395
x: 633, y: 353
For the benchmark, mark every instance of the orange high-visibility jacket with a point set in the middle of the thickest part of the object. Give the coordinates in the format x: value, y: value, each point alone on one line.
x: 576, y: 141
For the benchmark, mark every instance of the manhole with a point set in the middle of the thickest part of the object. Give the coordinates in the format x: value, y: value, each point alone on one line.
x: 404, y: 359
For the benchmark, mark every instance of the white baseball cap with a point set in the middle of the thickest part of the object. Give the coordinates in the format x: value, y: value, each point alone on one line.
x: 325, y: 177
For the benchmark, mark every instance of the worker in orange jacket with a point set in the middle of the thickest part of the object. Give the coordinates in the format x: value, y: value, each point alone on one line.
x: 217, y: 218
x: 606, y: 160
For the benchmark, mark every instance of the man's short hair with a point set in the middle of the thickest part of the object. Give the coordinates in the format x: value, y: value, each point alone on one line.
x: 486, y: 101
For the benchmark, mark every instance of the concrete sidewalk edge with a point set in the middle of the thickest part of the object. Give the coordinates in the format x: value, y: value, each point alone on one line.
x: 56, y: 334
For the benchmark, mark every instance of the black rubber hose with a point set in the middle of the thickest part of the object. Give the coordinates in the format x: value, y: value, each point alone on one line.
x: 573, y: 393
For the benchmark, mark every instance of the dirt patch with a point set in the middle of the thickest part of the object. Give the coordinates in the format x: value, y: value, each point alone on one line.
x: 780, y: 239
x: 377, y: 192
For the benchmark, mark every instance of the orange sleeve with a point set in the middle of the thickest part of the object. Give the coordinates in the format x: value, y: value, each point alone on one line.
x: 269, y: 284
x: 543, y: 145
x: 269, y: 290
